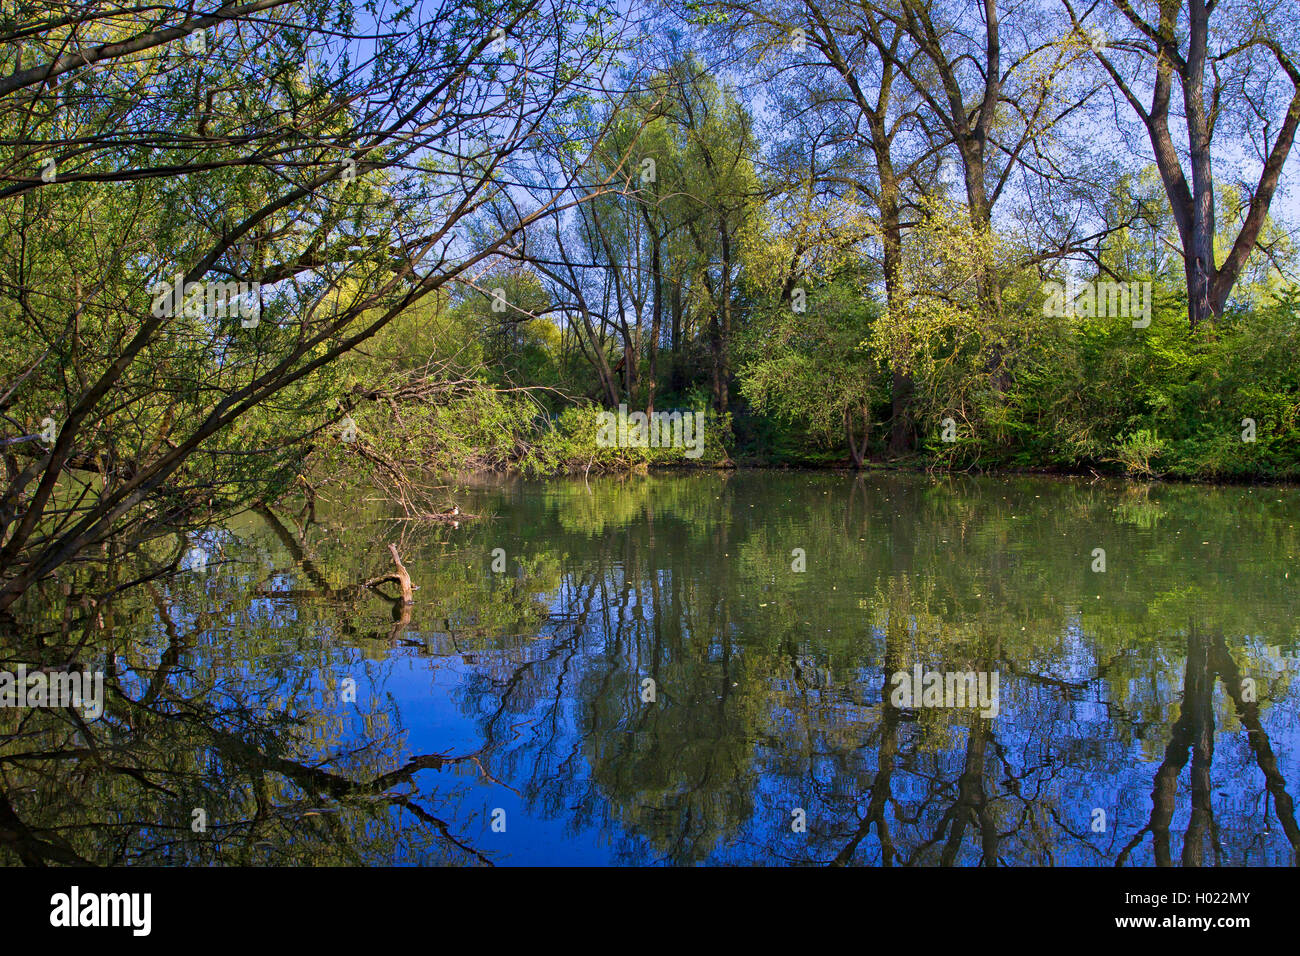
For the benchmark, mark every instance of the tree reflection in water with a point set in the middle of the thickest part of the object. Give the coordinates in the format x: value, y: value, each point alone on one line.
x: 1158, y: 694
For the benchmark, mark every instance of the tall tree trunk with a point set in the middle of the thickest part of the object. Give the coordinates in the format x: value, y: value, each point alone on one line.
x: 902, y: 424
x: 656, y: 317
x: 676, y: 308
x: 857, y: 450
x: 608, y: 383
x: 722, y: 352
x: 1208, y: 283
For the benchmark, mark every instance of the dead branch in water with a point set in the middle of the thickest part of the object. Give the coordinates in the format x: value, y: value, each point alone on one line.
x: 401, y: 576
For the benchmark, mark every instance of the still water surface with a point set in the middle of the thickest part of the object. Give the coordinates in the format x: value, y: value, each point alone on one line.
x: 1146, y: 713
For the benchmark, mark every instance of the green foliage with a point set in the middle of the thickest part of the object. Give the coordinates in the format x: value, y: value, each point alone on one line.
x: 571, y: 444
x: 1161, y: 400
x: 813, y: 368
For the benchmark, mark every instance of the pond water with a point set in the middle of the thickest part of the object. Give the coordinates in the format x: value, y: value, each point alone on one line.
x: 683, y: 669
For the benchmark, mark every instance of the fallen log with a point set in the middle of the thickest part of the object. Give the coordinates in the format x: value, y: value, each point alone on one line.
x: 455, y: 516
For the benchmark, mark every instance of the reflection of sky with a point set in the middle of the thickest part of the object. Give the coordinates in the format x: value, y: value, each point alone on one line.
x: 427, y: 693
x: 811, y: 743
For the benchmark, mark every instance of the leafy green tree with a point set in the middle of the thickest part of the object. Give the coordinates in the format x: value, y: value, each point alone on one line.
x: 816, y: 367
